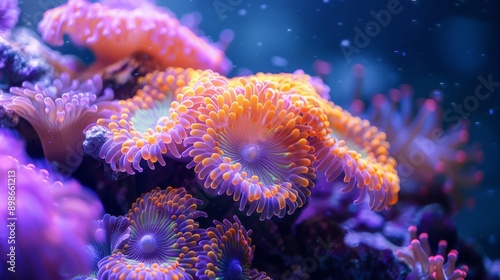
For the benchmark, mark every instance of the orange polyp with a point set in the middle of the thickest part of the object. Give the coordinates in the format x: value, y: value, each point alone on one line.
x: 111, y: 125
x: 140, y: 143
x: 226, y: 176
x: 342, y: 151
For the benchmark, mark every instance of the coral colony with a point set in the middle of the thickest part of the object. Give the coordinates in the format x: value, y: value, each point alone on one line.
x: 252, y: 177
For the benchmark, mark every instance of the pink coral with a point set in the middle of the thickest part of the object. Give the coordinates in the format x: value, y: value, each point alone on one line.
x: 427, y: 153
x: 9, y: 13
x: 60, y: 113
x: 115, y: 29
x: 427, y: 266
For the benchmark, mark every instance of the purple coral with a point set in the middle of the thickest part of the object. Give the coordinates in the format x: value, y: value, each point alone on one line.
x: 105, y: 237
x: 227, y: 253
x: 427, y: 266
x: 18, y: 65
x: 44, y: 218
x: 9, y: 13
x: 11, y: 145
x: 23, y: 58
x: 163, y: 235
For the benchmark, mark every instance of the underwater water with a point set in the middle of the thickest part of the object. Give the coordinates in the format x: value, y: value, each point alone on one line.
x: 238, y: 139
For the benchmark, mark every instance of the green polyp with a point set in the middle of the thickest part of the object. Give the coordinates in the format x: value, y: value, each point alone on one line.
x: 144, y: 119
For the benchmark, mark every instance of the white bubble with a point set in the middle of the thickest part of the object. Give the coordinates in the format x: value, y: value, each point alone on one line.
x: 345, y: 43
x: 279, y: 61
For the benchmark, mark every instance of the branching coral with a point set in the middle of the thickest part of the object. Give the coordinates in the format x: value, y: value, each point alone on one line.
x: 426, y: 266
x: 227, y: 253
x: 163, y: 236
x: 59, y: 113
x: 251, y: 145
x: 115, y: 29
x: 154, y: 122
